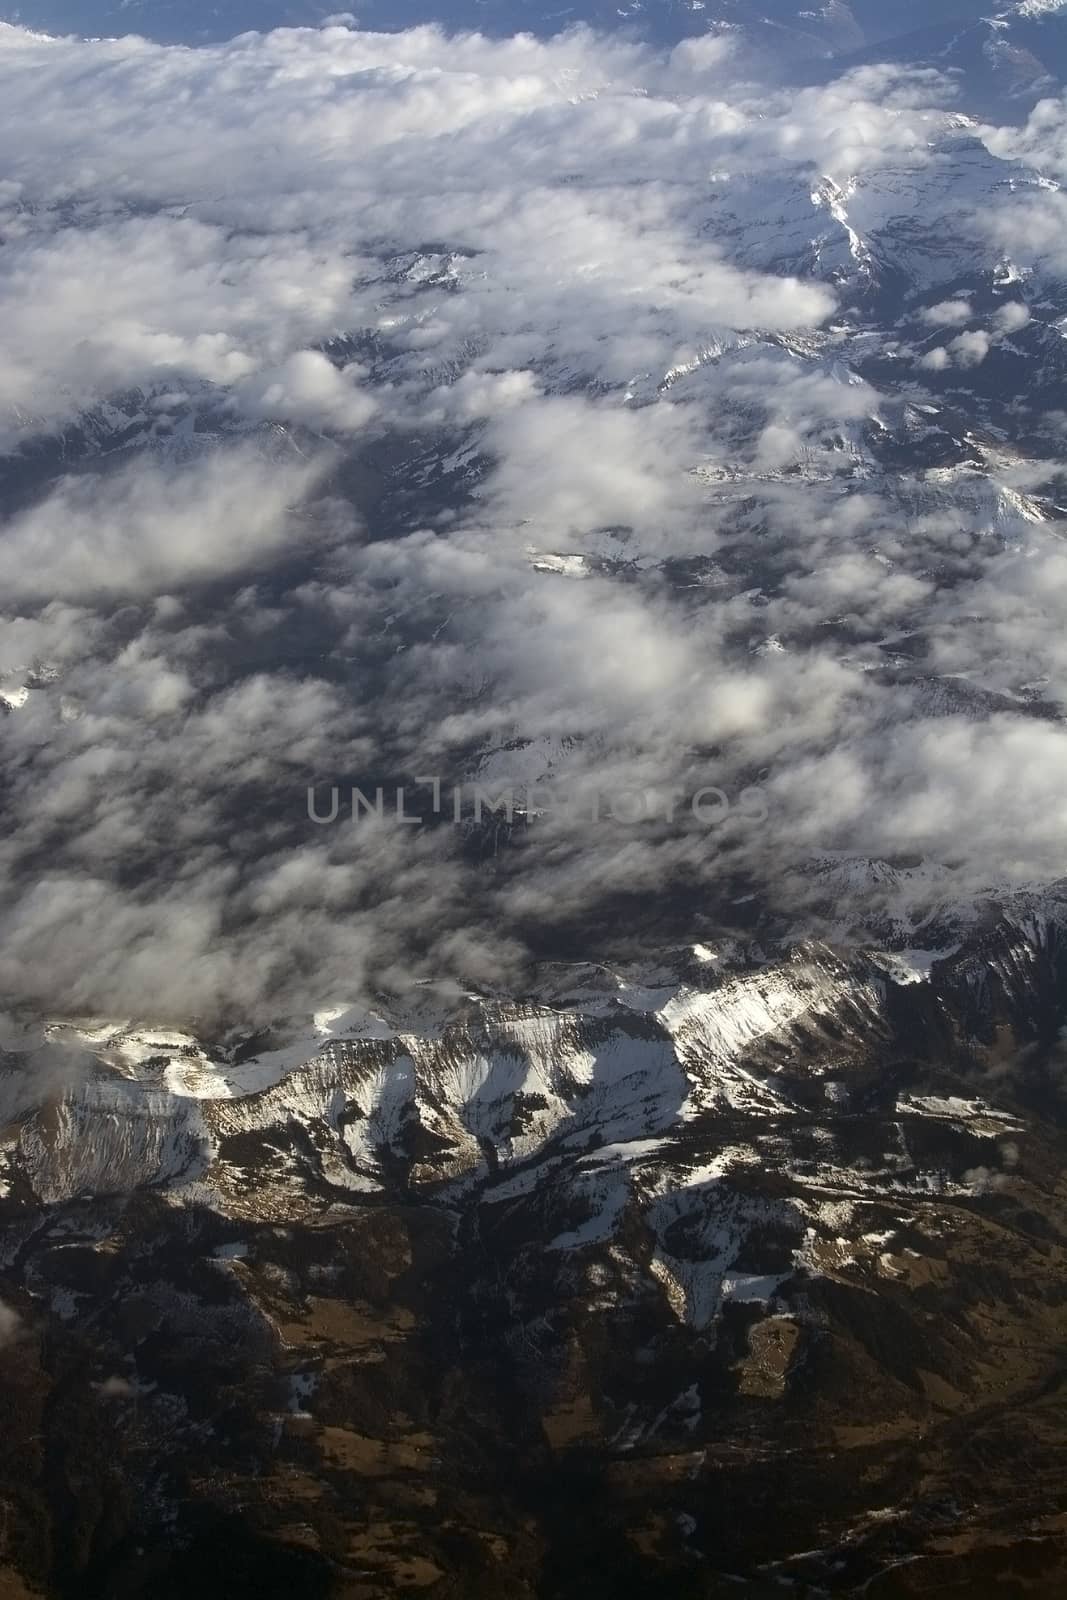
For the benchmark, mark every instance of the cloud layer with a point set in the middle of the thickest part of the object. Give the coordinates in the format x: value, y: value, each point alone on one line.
x: 383, y: 407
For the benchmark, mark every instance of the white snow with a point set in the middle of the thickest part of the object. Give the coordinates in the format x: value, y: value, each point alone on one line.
x: 237, y: 1251
x: 607, y: 1198
x: 568, y: 566
x: 912, y: 966
x: 748, y: 1286
x: 629, y: 1151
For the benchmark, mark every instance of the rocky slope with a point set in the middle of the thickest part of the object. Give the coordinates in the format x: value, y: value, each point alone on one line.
x: 555, y: 1298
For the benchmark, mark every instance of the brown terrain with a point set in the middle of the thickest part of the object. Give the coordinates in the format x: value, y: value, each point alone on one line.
x: 448, y: 1382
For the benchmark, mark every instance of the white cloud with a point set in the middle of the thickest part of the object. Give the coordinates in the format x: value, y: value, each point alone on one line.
x: 557, y: 309
x: 152, y: 526
x: 328, y: 149
x: 1010, y: 318
x: 970, y: 349
x: 306, y: 388
x: 948, y: 313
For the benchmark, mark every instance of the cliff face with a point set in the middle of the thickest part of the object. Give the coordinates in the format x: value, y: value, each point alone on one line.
x: 755, y: 1270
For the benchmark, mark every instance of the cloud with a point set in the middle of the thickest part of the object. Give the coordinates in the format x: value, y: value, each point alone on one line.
x: 172, y: 298
x: 970, y: 349
x: 1012, y: 317
x: 154, y: 525
x: 307, y: 389
x: 394, y: 405
x: 1041, y: 140
x: 231, y: 271
x: 948, y: 313
x: 116, y: 1388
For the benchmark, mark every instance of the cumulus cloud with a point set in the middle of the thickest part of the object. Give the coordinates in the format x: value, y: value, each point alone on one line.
x: 1011, y: 317
x: 971, y: 348
x: 151, y: 526
x: 334, y: 152
x: 1041, y: 140
x: 307, y: 389
x: 381, y: 407
x: 117, y: 1387
x: 948, y: 313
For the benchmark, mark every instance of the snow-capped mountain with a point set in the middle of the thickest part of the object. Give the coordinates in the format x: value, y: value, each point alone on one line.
x: 660, y: 1228
x: 788, y: 25
x: 532, y: 931
x: 1003, y: 59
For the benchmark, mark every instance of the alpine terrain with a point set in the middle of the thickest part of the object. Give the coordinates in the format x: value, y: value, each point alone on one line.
x: 533, y: 698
